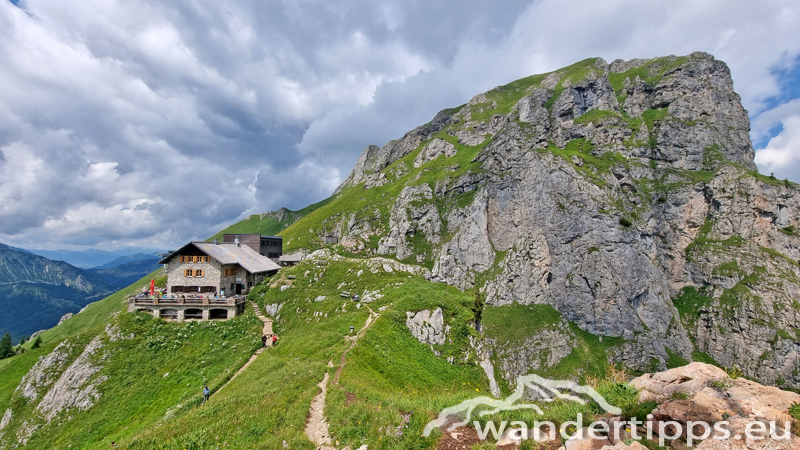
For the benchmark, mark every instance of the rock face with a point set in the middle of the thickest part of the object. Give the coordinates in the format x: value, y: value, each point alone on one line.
x: 427, y: 327
x: 705, y: 393
x: 65, y: 380
x: 74, y: 389
x: 702, y: 392
x: 65, y: 317
x: 624, y: 195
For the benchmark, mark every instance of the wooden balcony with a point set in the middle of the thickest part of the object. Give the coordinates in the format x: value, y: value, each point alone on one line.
x: 154, y: 301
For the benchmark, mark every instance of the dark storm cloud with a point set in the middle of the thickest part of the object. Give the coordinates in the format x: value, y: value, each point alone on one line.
x: 150, y: 123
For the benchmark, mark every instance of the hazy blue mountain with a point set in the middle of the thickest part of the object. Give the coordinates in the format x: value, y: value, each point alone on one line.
x: 36, y: 291
x: 129, y: 259
x: 123, y: 275
x: 90, y: 258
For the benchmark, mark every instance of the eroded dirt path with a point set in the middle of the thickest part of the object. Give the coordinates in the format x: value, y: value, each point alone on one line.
x: 267, y: 330
x: 317, y: 425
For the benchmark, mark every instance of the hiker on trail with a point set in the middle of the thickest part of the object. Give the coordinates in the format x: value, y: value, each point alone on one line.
x: 264, y: 340
x: 206, y: 393
x: 274, y: 339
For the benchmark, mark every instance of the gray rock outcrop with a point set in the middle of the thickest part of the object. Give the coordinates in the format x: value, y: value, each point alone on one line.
x: 77, y: 386
x: 624, y: 195
x: 65, y: 317
x: 427, y: 327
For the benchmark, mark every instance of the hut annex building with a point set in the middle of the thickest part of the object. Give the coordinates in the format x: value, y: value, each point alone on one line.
x: 210, y: 280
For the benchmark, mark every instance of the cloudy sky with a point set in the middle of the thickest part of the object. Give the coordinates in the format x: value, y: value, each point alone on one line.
x: 148, y: 123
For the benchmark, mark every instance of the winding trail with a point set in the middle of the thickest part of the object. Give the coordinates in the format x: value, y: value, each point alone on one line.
x: 267, y: 330
x: 317, y: 425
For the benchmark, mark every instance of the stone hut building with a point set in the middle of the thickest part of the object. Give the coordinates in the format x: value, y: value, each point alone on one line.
x: 207, y: 280
x: 209, y: 267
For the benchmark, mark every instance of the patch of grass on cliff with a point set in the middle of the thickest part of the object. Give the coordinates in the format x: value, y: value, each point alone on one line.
x: 574, y: 73
x: 727, y: 269
x: 699, y: 356
x: 778, y: 255
x: 515, y: 322
x: 651, y: 72
x: 583, y: 149
x: 651, y: 116
x: 675, y: 360
x: 741, y: 292
x: 506, y: 97
x: 712, y: 157
x: 770, y: 180
x: 691, y: 303
x: 596, y: 115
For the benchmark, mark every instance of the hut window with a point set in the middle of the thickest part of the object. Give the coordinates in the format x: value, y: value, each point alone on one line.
x: 198, y: 273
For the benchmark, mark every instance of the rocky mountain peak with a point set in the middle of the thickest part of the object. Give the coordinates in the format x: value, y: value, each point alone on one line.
x: 624, y: 195
x: 669, y: 110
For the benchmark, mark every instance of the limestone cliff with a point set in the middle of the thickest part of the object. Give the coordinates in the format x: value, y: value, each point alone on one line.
x: 624, y: 195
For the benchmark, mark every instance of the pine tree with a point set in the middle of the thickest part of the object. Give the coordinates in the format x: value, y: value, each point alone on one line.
x: 37, y: 342
x: 6, y: 348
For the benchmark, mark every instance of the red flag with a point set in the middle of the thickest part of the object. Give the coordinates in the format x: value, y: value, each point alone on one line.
x: 152, y: 287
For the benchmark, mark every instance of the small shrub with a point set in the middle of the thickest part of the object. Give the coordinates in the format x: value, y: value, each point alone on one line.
x: 721, y: 384
x: 794, y: 410
x: 733, y: 372
x: 680, y: 395
x: 625, y: 222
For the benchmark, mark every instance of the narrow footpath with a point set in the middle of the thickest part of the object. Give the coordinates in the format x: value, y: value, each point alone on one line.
x: 317, y: 424
x: 267, y: 331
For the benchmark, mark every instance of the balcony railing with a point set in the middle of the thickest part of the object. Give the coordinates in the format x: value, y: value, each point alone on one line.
x: 224, y: 301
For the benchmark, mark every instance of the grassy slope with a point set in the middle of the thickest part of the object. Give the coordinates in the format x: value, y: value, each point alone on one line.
x: 13, y: 369
x: 162, y: 366
x: 93, y: 319
x: 391, y: 385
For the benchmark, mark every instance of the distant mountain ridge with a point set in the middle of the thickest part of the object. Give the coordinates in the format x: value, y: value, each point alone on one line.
x: 122, y: 275
x: 35, y: 291
x: 127, y: 259
x: 89, y: 258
